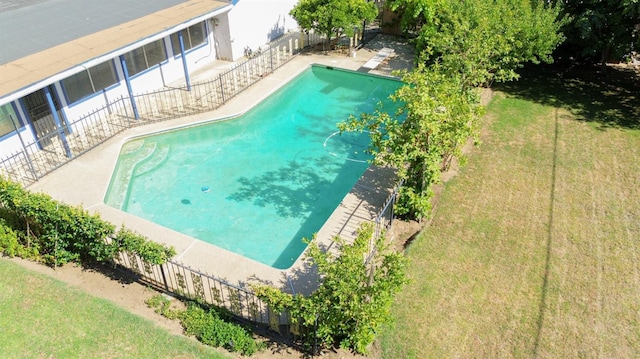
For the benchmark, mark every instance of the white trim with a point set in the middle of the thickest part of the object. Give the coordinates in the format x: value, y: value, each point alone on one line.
x: 108, y: 56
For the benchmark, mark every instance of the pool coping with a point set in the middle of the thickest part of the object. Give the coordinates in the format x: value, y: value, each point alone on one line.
x: 85, y: 180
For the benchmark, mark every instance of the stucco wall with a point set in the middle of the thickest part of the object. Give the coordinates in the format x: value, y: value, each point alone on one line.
x: 253, y: 23
x: 250, y: 23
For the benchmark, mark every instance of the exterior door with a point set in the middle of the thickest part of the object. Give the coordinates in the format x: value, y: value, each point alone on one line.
x: 40, y: 114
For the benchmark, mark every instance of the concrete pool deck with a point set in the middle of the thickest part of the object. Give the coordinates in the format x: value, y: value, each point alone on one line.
x: 84, y: 181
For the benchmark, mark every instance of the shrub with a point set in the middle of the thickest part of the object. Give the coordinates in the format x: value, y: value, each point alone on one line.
x: 57, y: 233
x: 9, y: 243
x: 208, y: 326
x: 210, y: 329
x: 353, y: 301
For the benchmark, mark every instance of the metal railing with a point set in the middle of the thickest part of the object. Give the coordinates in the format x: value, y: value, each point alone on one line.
x: 384, y: 218
x: 72, y: 139
x: 187, y: 283
x: 55, y: 149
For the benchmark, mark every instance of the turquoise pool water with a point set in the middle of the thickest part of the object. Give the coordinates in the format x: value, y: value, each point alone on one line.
x: 259, y: 183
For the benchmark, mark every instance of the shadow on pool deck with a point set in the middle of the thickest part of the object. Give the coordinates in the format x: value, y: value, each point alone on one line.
x: 91, y: 173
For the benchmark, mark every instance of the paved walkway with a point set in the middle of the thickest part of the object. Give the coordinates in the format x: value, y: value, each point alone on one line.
x: 84, y: 181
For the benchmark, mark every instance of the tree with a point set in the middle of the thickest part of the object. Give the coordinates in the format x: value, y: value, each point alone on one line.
x: 483, y: 41
x: 460, y: 45
x: 601, y: 30
x: 333, y: 17
x: 436, y: 118
x: 355, y: 296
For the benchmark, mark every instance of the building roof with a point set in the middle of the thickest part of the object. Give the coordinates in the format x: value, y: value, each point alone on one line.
x: 43, y: 41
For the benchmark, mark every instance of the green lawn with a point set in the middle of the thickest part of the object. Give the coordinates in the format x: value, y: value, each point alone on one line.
x: 41, y: 317
x: 533, y: 250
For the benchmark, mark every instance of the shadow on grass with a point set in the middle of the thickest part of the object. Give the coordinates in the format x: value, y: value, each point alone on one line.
x: 607, y: 97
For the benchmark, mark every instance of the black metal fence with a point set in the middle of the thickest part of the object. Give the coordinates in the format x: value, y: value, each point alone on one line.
x: 187, y: 283
x: 385, y: 216
x: 74, y: 138
x: 55, y: 149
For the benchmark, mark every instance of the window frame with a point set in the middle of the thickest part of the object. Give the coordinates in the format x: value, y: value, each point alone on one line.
x: 205, y: 39
x: 17, y: 121
x: 146, y: 61
x: 95, y: 92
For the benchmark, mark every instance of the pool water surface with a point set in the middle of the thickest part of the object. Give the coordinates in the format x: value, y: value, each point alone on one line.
x: 259, y: 183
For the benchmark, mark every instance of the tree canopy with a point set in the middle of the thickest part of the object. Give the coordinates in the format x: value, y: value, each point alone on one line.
x: 601, y: 30
x: 437, y: 117
x: 333, y: 17
x: 460, y: 45
x: 483, y: 41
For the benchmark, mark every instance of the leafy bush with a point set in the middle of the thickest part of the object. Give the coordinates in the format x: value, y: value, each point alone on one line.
x: 210, y: 329
x: 56, y: 233
x: 127, y: 241
x: 10, y: 243
x: 208, y: 326
x: 162, y: 306
x: 354, y: 298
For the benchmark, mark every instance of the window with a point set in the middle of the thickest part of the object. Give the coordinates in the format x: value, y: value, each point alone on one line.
x: 6, y: 115
x: 90, y: 81
x: 145, y: 57
x: 192, y: 36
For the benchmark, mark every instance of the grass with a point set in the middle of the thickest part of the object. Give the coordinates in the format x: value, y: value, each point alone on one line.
x: 533, y: 249
x: 45, y: 318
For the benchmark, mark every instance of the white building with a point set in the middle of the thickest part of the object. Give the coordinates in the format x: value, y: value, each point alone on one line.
x: 60, y: 59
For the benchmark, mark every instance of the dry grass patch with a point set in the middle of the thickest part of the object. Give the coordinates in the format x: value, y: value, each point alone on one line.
x: 533, y: 249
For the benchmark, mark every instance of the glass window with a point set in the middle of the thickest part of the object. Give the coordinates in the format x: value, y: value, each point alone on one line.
x: 192, y: 36
x: 145, y: 57
x: 196, y: 35
x: 155, y: 53
x: 135, y: 61
x: 103, y: 75
x: 90, y: 81
x: 77, y: 86
x: 6, y: 115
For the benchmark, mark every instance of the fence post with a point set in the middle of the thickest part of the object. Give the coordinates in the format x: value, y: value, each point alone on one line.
x: 222, y: 89
x: 24, y: 148
x: 164, y: 278
x: 271, y: 56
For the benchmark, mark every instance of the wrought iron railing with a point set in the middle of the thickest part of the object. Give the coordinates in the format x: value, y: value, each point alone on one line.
x: 66, y: 142
x: 191, y: 284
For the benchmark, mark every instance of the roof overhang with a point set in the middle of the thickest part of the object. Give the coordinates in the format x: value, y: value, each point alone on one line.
x: 31, y: 73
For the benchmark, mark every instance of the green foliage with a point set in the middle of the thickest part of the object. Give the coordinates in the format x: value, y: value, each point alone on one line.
x: 10, y: 244
x: 353, y: 300
x: 210, y: 329
x: 461, y: 45
x: 482, y: 41
x: 127, y: 241
x: 56, y: 233
x: 208, y: 326
x: 436, y: 118
x: 162, y: 306
x: 601, y: 30
x: 333, y: 17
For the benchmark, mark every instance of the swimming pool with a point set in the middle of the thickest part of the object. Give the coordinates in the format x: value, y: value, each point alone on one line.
x: 258, y: 183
